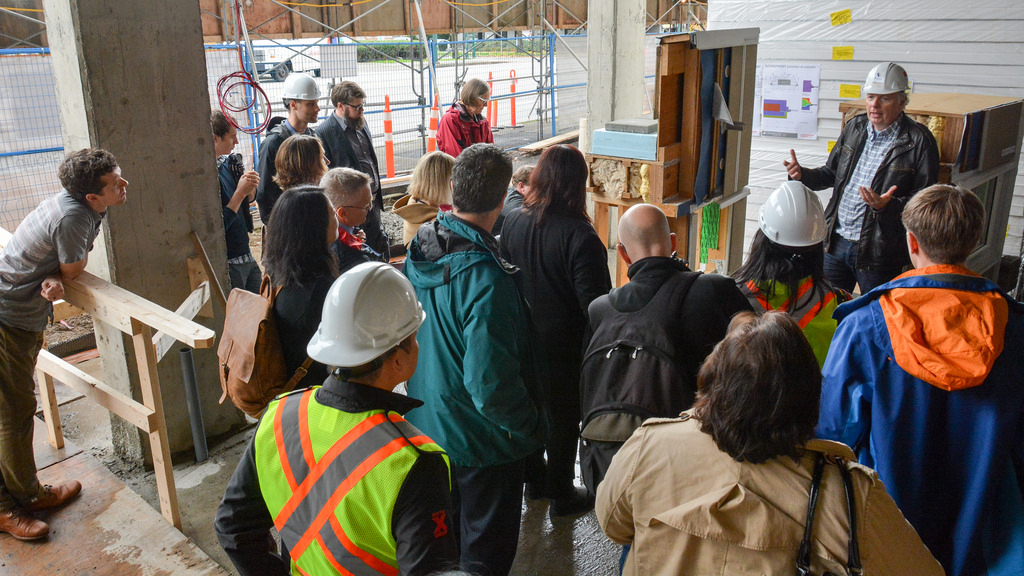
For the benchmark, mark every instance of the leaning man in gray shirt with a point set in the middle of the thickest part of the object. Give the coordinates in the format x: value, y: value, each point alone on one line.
x: 50, y: 245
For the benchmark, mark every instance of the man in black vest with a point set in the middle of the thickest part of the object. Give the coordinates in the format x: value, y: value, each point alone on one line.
x: 348, y: 144
x: 685, y: 324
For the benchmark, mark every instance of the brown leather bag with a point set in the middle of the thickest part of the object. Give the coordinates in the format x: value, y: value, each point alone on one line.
x: 252, y: 367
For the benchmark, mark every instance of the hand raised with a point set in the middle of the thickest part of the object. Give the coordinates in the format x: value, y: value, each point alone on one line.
x: 874, y: 200
x: 793, y: 167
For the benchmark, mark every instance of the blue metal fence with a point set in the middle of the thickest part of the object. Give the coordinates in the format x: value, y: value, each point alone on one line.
x: 32, y: 146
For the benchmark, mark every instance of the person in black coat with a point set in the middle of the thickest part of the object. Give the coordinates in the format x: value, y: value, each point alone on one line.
x: 297, y: 257
x: 565, y: 267
x: 348, y: 144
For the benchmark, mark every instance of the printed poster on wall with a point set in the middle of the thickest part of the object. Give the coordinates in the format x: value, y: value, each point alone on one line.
x: 787, y: 100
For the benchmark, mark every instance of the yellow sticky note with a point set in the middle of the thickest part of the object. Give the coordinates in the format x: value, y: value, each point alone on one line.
x: 849, y: 91
x: 842, y: 52
x: 831, y: 144
x: 841, y: 17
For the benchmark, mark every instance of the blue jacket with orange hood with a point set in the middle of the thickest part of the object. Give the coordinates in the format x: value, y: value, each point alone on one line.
x: 925, y: 380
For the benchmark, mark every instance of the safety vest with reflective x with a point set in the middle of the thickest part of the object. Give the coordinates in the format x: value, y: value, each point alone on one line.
x: 330, y: 480
x: 814, y: 315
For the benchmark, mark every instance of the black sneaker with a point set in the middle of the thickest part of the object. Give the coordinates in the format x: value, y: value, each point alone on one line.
x: 573, y: 504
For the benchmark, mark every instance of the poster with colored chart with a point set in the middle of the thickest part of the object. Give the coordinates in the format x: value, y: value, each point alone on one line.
x: 788, y: 100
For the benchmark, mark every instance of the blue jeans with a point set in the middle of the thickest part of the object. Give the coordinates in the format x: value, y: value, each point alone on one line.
x: 841, y: 268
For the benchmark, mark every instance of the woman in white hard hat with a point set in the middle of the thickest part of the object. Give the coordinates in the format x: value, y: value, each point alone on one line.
x: 352, y: 486
x: 784, y: 270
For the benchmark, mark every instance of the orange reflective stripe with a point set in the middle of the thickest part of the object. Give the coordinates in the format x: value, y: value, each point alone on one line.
x: 807, y: 285
x: 332, y: 503
x: 306, y: 440
x: 813, y: 312
x: 286, y: 466
x: 367, y: 558
x: 330, y: 558
x: 756, y: 292
x: 299, y: 493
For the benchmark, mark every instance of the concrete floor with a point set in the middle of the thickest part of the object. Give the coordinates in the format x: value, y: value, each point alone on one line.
x: 563, y: 546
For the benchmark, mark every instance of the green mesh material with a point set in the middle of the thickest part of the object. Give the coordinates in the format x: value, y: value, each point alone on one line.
x: 365, y: 512
x: 709, y: 216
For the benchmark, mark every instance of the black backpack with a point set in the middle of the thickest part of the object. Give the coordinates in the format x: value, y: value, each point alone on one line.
x: 630, y: 373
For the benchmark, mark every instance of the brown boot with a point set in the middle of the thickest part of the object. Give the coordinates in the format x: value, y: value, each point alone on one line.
x: 54, y: 496
x: 22, y: 525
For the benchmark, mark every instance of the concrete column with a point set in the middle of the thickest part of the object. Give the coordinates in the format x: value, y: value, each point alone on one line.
x: 615, y: 57
x: 131, y: 78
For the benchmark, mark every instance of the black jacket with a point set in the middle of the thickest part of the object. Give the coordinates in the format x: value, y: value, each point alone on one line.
x: 268, y: 191
x: 297, y: 311
x: 565, y: 267
x: 339, y: 151
x: 349, y: 257
x: 911, y: 164
x: 243, y: 522
x: 701, y: 318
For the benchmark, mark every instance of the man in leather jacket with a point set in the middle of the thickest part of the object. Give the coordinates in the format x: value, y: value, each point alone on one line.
x: 879, y: 162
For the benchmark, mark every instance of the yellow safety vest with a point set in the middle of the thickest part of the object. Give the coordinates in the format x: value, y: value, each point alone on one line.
x: 330, y: 480
x: 813, y: 315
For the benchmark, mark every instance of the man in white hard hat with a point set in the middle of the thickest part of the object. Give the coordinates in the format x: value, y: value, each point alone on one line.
x: 301, y: 96
x: 352, y: 487
x: 348, y: 144
x: 879, y: 162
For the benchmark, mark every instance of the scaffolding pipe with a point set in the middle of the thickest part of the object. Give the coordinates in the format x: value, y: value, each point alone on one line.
x: 426, y: 48
x: 195, y: 407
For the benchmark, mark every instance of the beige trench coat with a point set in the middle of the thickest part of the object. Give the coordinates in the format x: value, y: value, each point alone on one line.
x: 689, y: 508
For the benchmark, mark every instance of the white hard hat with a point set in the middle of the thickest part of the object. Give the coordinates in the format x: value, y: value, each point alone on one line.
x: 886, y: 78
x: 299, y: 86
x: 369, y: 310
x: 792, y: 216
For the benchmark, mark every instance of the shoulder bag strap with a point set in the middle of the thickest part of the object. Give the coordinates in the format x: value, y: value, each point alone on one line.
x: 268, y: 291
x: 853, y: 566
x: 803, y: 558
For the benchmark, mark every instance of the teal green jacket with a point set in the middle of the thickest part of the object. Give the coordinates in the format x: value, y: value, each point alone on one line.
x: 476, y: 376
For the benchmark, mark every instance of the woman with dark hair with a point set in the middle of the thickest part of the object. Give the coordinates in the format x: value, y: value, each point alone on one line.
x: 565, y: 267
x: 299, y: 262
x: 464, y: 123
x: 785, y: 268
x: 300, y: 161
x: 725, y: 488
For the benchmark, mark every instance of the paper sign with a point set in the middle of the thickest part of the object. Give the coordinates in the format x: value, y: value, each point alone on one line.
x: 831, y: 144
x: 841, y: 17
x: 849, y: 91
x: 842, y: 52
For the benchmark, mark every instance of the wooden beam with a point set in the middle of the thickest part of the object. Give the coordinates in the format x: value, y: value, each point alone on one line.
x: 81, y: 382
x: 51, y: 411
x: 218, y: 290
x: 125, y: 310
x: 195, y: 302
x: 561, y: 139
x: 145, y: 357
x: 196, y: 278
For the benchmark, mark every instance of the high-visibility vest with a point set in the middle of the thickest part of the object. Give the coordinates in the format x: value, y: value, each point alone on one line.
x: 814, y: 315
x: 330, y: 480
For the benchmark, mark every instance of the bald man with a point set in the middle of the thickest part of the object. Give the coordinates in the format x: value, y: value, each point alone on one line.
x: 664, y: 307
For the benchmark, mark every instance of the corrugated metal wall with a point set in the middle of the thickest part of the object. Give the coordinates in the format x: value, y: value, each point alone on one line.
x: 945, y: 45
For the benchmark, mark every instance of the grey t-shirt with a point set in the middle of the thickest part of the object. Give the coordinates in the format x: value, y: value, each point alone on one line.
x: 61, y: 230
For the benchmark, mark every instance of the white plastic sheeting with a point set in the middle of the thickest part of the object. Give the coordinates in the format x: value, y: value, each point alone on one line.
x: 966, y: 46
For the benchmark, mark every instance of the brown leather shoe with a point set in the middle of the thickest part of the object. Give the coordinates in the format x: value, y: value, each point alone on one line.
x: 54, y: 496
x: 22, y: 525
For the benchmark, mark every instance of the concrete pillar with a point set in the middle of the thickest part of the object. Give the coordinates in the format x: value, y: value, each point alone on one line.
x: 615, y: 57
x: 131, y: 78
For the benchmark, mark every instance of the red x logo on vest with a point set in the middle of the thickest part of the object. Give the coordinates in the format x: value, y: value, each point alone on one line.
x: 440, y: 528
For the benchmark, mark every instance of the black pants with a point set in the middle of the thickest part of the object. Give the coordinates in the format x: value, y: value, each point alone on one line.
x: 487, y: 503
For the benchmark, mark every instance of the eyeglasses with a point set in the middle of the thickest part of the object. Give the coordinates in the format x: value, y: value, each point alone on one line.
x: 366, y: 208
x: 361, y: 107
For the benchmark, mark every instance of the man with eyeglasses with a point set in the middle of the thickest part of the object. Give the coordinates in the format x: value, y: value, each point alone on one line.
x: 348, y: 144
x: 349, y: 193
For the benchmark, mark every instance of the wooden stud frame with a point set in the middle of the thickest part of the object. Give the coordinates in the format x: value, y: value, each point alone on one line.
x: 137, y: 317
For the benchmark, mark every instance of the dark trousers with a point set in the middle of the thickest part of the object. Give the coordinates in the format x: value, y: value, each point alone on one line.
x: 376, y: 237
x: 841, y: 268
x: 488, y: 508
x: 18, y: 351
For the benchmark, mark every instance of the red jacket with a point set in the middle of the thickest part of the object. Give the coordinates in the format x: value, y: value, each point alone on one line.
x: 458, y: 130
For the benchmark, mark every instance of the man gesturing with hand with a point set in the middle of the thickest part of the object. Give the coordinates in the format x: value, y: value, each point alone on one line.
x: 880, y: 161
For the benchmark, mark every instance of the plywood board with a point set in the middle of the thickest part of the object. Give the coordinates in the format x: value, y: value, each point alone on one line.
x: 108, y: 531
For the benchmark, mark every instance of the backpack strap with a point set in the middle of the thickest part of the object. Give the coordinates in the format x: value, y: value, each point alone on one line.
x: 268, y: 291
x: 803, y: 559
